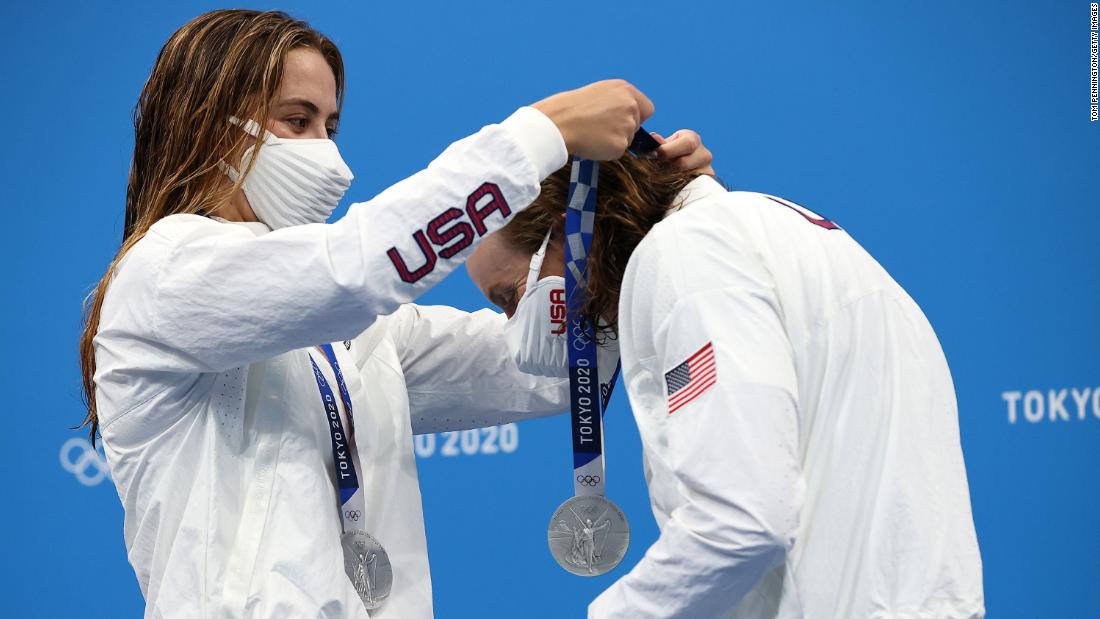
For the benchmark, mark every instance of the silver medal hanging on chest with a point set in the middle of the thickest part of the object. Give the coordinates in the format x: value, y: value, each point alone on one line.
x: 588, y: 535
x: 368, y: 566
x: 365, y: 560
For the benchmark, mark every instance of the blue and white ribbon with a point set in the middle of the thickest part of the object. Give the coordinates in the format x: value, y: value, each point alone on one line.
x: 588, y: 395
x: 344, y: 456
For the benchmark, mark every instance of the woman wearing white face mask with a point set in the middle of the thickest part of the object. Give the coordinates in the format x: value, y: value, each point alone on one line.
x: 259, y: 475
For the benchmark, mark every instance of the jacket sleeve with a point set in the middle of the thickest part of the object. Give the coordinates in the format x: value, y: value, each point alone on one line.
x: 199, y: 295
x: 460, y: 375
x: 727, y: 421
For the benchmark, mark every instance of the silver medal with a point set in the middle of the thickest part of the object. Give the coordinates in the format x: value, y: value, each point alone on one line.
x: 588, y: 535
x: 368, y: 566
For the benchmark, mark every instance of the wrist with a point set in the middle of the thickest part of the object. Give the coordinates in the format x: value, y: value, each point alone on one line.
x: 539, y: 138
x: 559, y: 115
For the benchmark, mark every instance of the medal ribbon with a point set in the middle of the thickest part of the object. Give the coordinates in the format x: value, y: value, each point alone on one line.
x: 588, y: 395
x: 344, y: 456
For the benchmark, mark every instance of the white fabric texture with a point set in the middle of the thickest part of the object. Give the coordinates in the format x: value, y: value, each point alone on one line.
x: 821, y: 476
x: 211, y: 418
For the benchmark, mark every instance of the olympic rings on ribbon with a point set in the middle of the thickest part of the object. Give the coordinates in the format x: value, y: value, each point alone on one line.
x: 588, y: 480
x: 353, y: 515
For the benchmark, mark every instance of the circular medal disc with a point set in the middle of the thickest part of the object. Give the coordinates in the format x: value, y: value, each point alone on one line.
x: 368, y: 566
x: 588, y: 535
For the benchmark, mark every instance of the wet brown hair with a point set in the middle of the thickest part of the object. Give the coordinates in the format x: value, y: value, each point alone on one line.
x: 632, y: 196
x: 223, y: 63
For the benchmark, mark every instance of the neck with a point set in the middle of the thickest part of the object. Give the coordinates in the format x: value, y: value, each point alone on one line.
x: 237, y: 209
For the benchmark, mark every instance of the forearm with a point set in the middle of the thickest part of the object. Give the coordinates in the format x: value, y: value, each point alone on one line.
x: 225, y: 301
x: 698, y: 568
x: 459, y: 374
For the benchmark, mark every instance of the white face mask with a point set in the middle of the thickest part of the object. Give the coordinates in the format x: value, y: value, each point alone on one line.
x: 293, y: 182
x: 535, y: 334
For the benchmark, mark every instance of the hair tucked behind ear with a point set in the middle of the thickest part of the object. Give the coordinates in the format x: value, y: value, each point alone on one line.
x: 633, y: 195
x: 221, y: 64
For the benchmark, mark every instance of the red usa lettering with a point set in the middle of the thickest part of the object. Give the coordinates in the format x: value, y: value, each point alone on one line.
x: 806, y: 214
x: 557, y: 310
x: 452, y: 231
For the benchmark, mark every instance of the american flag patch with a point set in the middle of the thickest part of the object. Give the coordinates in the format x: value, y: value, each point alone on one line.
x: 691, y: 378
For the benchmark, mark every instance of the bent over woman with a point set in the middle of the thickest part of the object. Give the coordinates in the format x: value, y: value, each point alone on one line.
x: 797, y: 413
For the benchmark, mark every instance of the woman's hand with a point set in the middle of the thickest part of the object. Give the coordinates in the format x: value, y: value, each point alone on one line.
x: 598, y: 121
x: 684, y: 150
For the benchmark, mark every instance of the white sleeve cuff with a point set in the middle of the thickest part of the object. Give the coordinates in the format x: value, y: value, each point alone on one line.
x: 539, y: 138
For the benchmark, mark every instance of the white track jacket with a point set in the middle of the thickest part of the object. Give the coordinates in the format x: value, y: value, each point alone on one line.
x: 799, y: 425
x: 210, y: 415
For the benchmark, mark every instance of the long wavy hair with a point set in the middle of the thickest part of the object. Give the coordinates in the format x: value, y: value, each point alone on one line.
x: 223, y: 63
x: 632, y: 196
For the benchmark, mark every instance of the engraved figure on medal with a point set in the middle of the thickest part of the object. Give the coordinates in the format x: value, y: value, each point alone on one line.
x: 584, y: 554
x: 588, y: 535
x: 365, y: 574
x: 368, y: 567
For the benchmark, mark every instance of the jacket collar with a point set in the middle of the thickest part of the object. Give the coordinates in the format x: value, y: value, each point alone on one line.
x: 702, y: 187
x: 255, y: 227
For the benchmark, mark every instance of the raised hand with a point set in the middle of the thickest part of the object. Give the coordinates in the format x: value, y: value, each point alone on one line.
x: 598, y: 121
x: 684, y: 150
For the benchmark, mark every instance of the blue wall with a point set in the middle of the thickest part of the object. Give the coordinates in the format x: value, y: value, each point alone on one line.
x: 953, y: 141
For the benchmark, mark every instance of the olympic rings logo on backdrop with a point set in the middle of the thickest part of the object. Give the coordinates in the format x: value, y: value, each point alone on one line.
x: 89, y: 467
x: 353, y: 515
x: 588, y: 480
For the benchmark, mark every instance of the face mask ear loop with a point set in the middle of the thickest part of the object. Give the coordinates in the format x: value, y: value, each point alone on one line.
x: 251, y: 128
x: 536, y: 262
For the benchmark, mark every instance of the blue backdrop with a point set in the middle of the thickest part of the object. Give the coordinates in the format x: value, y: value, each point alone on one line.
x: 954, y: 142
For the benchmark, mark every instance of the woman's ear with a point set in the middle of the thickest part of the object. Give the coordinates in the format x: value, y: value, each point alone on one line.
x: 558, y: 227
